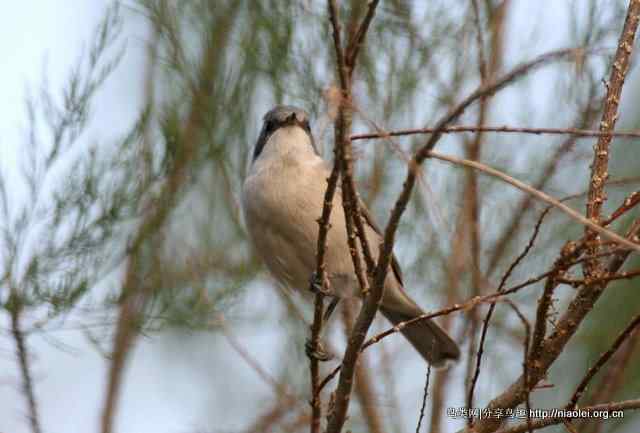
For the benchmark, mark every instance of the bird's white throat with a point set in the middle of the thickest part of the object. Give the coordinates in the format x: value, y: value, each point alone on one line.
x: 287, y: 145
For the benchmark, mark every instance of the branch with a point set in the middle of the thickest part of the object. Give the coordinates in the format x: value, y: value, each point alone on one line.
x: 358, y: 39
x: 456, y: 129
x: 425, y: 394
x: 599, y: 174
x: 351, y: 204
x: 627, y: 204
x: 525, y: 359
x: 588, y: 411
x: 603, y: 279
x: 553, y: 345
x: 365, y: 387
x: 490, y: 89
x: 626, y: 333
x: 321, y: 248
x: 386, y: 249
x: 316, y: 326
x: 586, y: 117
x: 337, y: 43
x: 538, y: 194
x: 503, y: 281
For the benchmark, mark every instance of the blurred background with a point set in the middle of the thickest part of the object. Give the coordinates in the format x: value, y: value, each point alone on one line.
x: 126, y: 129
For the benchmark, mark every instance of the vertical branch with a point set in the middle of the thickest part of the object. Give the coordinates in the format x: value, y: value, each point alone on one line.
x: 351, y: 205
x: 324, y: 226
x: 547, y: 350
x: 599, y: 173
x: 15, y: 310
x: 314, y: 367
x: 525, y: 359
x: 425, y: 394
x: 364, y: 386
x: 318, y: 314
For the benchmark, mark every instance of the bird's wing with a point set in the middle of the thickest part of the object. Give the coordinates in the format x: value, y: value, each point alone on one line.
x: 364, y: 211
x: 395, y: 266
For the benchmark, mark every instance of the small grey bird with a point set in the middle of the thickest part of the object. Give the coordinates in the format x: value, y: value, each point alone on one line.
x: 282, y: 199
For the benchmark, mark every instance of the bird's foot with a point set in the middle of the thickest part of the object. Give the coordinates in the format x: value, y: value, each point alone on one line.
x: 318, y: 286
x: 317, y: 352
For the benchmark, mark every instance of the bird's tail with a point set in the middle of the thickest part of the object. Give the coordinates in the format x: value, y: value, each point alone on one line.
x: 431, y: 341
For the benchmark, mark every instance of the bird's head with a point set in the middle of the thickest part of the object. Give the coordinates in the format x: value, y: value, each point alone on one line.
x: 288, y: 124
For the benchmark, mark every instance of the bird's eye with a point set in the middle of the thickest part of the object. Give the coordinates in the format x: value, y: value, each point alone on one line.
x: 306, y: 126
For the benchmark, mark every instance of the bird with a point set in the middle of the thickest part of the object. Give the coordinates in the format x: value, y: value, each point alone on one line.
x: 282, y: 199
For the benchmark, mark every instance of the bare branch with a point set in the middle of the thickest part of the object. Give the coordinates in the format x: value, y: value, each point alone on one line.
x: 553, y: 345
x: 525, y: 359
x: 425, y: 394
x: 538, y: 194
x: 424, y: 152
x: 458, y: 129
x: 351, y: 204
x: 624, y: 335
x: 590, y: 410
x: 599, y: 173
x: 355, y: 44
x: 503, y: 281
x: 337, y: 43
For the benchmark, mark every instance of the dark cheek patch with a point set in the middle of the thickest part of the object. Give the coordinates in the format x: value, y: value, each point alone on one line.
x: 262, y: 141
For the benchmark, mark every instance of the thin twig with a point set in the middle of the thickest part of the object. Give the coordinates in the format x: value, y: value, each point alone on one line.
x: 355, y: 44
x: 503, y: 281
x: 337, y: 43
x: 425, y: 394
x: 456, y: 129
x: 424, y: 152
x: 614, y: 377
x: 468, y: 304
x: 538, y: 194
x: 471, y: 194
x: 626, y: 333
x: 553, y: 345
x: 586, y: 411
x: 627, y: 204
x: 604, y: 279
x: 525, y: 359
x: 587, y: 116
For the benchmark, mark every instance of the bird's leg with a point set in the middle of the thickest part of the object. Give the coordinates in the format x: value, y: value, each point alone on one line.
x: 318, y: 351
x: 318, y: 286
x: 330, y: 308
